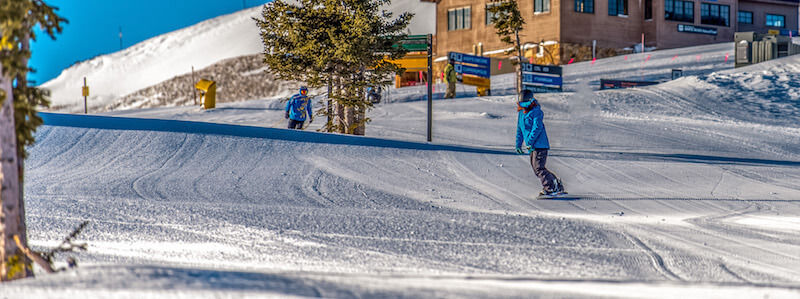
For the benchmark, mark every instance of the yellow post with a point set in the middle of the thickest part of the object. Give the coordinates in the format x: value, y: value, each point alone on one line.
x: 208, y: 89
x: 85, y: 91
x: 483, y: 91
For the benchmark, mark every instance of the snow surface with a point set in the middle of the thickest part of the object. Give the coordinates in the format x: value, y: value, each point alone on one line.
x: 112, y: 76
x: 687, y: 189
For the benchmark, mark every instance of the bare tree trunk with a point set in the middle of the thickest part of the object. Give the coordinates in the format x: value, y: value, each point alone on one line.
x: 341, y: 124
x: 349, y: 119
x: 22, y: 80
x: 345, y: 113
x: 329, y: 108
x: 359, y: 125
x: 10, y: 214
x: 360, y: 117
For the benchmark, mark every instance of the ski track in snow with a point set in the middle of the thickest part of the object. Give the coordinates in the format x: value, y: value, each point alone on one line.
x: 677, y: 197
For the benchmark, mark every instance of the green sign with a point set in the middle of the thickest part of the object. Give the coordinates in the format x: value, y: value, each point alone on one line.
x: 415, y: 43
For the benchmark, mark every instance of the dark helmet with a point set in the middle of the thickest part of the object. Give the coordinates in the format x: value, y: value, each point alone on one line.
x: 525, y: 96
x: 526, y: 100
x: 303, y: 90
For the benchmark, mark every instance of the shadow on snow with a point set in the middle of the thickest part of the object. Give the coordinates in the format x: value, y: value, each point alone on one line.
x: 660, y: 157
x: 179, y: 126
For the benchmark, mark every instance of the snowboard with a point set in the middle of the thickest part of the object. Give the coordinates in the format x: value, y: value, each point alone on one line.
x: 560, y: 195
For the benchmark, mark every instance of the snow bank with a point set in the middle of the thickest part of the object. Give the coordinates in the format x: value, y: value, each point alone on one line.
x: 763, y: 94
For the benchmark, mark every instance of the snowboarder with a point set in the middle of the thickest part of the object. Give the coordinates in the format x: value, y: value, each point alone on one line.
x: 296, y: 109
x: 530, y: 129
x: 451, y: 78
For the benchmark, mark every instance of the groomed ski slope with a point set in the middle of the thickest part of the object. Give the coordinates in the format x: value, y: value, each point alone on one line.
x: 689, y: 189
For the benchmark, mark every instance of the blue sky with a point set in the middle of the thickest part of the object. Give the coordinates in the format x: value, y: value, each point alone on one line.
x: 94, y: 27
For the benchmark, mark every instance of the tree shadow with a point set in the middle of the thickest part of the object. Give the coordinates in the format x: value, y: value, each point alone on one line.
x: 661, y: 157
x: 246, y: 109
x: 176, y: 279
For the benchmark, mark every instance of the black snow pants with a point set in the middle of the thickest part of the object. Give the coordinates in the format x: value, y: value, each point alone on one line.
x: 296, y: 124
x: 538, y: 159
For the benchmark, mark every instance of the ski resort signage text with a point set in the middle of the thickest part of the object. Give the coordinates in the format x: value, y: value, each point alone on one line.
x: 541, y: 78
x: 415, y: 43
x: 697, y: 29
x: 474, y: 69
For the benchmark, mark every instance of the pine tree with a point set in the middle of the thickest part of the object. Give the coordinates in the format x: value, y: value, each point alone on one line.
x: 508, y: 22
x: 18, y: 120
x: 344, y: 42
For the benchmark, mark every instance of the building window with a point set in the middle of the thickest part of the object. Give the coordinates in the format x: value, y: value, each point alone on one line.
x: 541, y: 6
x: 681, y: 11
x: 648, y: 9
x: 715, y: 14
x: 490, y: 15
x: 586, y: 6
x: 617, y: 7
x: 776, y: 21
x: 745, y: 17
x: 459, y: 18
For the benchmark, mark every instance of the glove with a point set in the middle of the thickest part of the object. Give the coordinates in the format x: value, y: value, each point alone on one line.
x: 519, y: 151
x: 287, y: 115
x: 310, y: 120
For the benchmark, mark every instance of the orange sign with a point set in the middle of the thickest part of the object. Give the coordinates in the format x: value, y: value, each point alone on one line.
x: 476, y: 81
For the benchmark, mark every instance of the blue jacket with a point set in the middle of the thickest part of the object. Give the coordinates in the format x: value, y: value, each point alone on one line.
x: 297, y: 107
x: 530, y: 128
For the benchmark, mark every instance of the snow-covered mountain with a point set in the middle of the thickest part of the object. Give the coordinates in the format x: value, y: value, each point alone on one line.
x: 116, y: 75
x: 238, y: 79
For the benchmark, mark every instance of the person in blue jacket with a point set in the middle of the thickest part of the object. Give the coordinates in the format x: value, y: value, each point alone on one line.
x: 530, y: 129
x: 296, y: 109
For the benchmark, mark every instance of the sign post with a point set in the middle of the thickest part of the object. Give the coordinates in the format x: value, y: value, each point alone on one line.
x: 85, y: 90
x: 418, y: 43
x: 430, y: 87
x: 194, y: 93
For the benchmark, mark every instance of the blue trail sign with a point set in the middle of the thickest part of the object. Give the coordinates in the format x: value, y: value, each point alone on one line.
x: 542, y: 78
x: 471, y: 64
